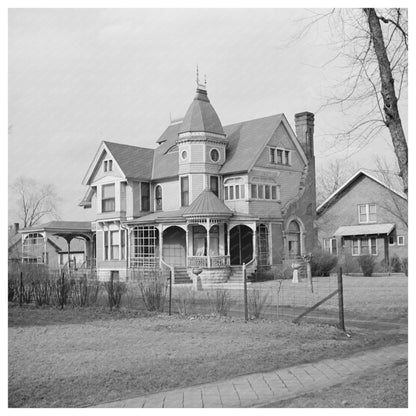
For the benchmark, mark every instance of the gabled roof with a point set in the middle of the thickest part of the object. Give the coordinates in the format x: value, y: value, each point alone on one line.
x: 135, y: 162
x: 355, y: 177
x: 246, y: 141
x: 207, y: 203
x: 201, y: 116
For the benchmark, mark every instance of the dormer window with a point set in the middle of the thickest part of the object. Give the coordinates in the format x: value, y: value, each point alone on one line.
x: 279, y: 156
x: 234, y: 188
x: 158, y: 198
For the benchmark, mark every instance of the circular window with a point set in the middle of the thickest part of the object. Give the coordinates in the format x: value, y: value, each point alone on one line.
x: 184, y: 154
x: 215, y: 155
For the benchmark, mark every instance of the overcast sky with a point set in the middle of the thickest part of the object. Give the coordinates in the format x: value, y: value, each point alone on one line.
x: 79, y: 76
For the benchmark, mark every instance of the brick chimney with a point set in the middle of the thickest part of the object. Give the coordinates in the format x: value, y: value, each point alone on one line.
x: 304, y: 124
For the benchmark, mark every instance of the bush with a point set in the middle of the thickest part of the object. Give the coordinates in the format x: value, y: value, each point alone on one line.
x: 115, y: 290
x: 84, y: 292
x: 367, y: 264
x: 153, y: 289
x: 256, y: 302
x: 185, y: 302
x: 405, y: 266
x: 396, y: 264
x: 322, y: 263
x: 222, y: 302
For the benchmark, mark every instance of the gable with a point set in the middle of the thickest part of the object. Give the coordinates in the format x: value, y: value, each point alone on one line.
x: 101, y: 173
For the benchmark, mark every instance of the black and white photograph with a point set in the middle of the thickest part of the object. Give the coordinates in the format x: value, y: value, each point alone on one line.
x: 207, y: 205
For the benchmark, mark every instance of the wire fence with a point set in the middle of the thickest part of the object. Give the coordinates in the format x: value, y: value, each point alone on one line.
x: 154, y: 291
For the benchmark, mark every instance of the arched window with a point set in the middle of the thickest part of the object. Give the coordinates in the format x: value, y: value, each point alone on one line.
x: 158, y: 197
x: 293, y: 239
x: 33, y: 249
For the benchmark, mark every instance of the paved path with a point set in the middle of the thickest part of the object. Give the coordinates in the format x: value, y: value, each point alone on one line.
x: 263, y: 388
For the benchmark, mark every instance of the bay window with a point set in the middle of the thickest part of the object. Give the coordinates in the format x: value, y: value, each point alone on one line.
x: 108, y: 201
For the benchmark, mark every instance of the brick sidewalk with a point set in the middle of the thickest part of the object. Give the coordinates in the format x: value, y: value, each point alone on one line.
x: 263, y: 388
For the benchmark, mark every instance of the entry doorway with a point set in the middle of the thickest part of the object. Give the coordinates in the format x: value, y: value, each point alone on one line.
x: 241, y: 245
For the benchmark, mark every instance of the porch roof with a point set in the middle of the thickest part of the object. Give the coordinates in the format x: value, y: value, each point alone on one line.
x: 159, y: 216
x: 54, y: 226
x: 367, y: 229
x: 207, y: 204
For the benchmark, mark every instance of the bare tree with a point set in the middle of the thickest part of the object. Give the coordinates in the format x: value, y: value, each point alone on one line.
x: 371, y: 50
x: 395, y: 203
x: 332, y: 177
x: 34, y: 201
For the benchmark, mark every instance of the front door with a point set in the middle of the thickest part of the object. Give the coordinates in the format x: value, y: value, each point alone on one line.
x: 241, y: 245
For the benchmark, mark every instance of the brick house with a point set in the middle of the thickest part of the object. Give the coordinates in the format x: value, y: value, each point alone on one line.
x: 366, y: 215
x: 208, y: 196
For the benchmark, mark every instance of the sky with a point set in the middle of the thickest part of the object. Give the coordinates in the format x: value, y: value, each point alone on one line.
x: 80, y: 76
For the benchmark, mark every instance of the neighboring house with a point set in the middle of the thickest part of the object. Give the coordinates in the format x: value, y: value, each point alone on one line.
x: 209, y: 196
x: 366, y: 215
x: 37, y: 248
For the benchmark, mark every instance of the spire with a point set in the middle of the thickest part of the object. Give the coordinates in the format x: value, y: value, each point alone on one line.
x: 199, y: 86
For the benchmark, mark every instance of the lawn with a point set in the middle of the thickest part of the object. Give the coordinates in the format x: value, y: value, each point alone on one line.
x: 82, y: 357
x: 385, y: 388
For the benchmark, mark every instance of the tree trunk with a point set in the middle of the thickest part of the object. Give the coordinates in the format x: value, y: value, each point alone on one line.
x: 388, y: 93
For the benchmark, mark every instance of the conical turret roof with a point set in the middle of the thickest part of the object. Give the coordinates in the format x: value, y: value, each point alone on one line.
x: 201, y: 116
x: 208, y: 204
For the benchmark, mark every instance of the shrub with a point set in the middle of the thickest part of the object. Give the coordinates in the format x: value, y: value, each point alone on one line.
x: 349, y: 264
x: 405, y: 266
x: 222, y: 302
x: 153, y: 289
x: 185, y: 302
x: 286, y: 274
x: 396, y: 264
x: 84, y: 292
x: 257, y: 302
x: 367, y: 264
x: 115, y: 290
x: 322, y: 263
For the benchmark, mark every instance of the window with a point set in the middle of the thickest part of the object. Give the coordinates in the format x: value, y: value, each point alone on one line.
x: 364, y: 246
x: 184, y: 191
x: 144, y: 247
x: 145, y: 193
x: 391, y: 240
x: 213, y: 184
x: 400, y: 240
x: 105, y: 165
x: 108, y: 198
x: 123, y: 244
x: 232, y: 192
x: 268, y: 192
x: 158, y: 197
x: 331, y: 246
x: 105, y: 245
x: 114, y: 245
x: 226, y: 193
x: 279, y: 156
x: 110, y: 165
x: 184, y: 154
x: 366, y: 213
x: 214, y: 155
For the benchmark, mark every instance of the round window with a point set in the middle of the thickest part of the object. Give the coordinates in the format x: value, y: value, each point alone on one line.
x: 184, y: 154
x: 215, y: 155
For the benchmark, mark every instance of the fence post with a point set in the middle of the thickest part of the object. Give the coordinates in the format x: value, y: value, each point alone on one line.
x: 111, y: 296
x: 341, y: 300
x: 62, y: 290
x: 170, y: 293
x: 245, y: 293
x: 21, y: 290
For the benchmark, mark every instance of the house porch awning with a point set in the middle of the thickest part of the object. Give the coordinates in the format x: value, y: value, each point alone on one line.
x: 362, y: 230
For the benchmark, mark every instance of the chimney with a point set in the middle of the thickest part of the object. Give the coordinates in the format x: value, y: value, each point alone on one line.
x: 16, y: 227
x: 304, y: 124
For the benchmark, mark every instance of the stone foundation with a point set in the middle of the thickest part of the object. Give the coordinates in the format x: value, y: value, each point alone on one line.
x: 218, y: 275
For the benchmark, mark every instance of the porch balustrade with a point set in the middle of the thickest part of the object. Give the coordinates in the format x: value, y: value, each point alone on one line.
x: 144, y: 262
x: 205, y: 261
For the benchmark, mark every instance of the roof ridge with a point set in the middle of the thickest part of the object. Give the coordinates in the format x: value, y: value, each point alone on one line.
x: 129, y: 145
x: 254, y: 119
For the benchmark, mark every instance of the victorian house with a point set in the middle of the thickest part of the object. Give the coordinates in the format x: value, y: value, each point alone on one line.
x: 208, y: 196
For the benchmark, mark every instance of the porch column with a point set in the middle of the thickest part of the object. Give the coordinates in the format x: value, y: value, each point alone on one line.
x: 160, y: 228
x: 386, y: 252
x: 270, y: 243
x: 186, y: 244
x: 128, y: 243
x: 208, y: 244
x: 45, y: 242
x: 255, y: 242
x: 228, y: 240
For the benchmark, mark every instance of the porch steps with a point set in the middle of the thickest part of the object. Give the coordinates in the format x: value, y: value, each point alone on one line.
x: 236, y: 275
x: 181, y: 275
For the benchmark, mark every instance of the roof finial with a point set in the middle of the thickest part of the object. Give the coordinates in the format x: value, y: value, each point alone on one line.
x: 205, y: 81
x: 199, y: 85
x: 197, y: 75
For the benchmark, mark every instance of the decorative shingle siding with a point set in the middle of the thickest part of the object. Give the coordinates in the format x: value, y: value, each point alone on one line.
x: 197, y: 186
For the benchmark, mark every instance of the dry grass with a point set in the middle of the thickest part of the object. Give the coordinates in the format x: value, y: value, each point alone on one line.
x: 83, y: 357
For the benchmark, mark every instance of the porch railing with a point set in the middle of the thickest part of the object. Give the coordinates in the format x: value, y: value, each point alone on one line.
x: 205, y: 261
x: 144, y: 262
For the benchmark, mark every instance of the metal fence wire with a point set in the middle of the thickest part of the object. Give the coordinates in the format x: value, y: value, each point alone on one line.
x: 154, y: 291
